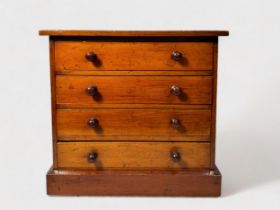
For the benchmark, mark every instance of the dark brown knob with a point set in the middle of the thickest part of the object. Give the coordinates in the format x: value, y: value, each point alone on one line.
x: 91, y: 90
x: 91, y: 56
x: 175, y: 123
x: 175, y: 55
x: 175, y: 155
x: 93, y: 122
x: 175, y: 90
x: 92, y: 157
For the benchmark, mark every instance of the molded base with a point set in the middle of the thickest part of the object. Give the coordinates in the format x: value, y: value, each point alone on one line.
x: 134, y: 182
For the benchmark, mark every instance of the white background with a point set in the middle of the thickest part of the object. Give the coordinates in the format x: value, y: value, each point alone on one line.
x: 248, y: 141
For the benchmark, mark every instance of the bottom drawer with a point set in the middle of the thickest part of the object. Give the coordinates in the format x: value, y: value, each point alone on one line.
x: 146, y: 155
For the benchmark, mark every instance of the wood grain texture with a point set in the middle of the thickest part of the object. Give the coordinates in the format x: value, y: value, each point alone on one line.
x: 132, y: 138
x: 214, y: 105
x: 132, y: 33
x: 73, y: 124
x: 132, y: 106
x: 135, y: 73
x: 133, y: 155
x: 70, y: 55
x: 53, y: 99
x: 201, y: 182
x: 131, y: 147
x: 134, y: 89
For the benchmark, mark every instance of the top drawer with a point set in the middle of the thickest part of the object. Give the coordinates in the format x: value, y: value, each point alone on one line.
x: 88, y: 56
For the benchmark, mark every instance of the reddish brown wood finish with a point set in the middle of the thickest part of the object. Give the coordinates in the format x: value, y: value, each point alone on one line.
x: 72, y: 124
x: 189, y: 33
x: 53, y: 100
x: 134, y: 182
x: 136, y: 73
x: 214, y: 105
x: 136, y: 107
x: 134, y: 89
x: 71, y: 55
x: 136, y: 155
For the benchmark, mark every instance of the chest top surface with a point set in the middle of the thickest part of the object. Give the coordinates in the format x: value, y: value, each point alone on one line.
x: 132, y: 33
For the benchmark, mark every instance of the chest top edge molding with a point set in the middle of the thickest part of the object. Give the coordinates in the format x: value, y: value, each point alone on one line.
x: 184, y: 33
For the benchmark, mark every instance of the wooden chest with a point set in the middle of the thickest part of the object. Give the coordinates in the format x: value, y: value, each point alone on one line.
x: 133, y: 113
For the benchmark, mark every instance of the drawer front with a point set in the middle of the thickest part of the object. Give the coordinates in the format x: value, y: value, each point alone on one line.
x: 126, y: 124
x: 86, y: 56
x: 134, y: 89
x: 146, y: 155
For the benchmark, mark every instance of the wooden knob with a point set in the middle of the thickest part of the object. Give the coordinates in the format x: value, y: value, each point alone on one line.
x: 91, y: 90
x: 175, y: 123
x: 175, y: 90
x: 175, y: 156
x: 91, y: 56
x: 92, y: 157
x: 175, y: 55
x: 93, y: 122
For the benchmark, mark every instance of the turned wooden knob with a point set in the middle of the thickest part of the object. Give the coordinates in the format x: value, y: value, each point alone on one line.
x: 175, y: 155
x: 91, y: 90
x: 175, y: 90
x: 175, y: 123
x: 93, y: 122
x: 175, y: 55
x: 92, y: 157
x: 91, y: 56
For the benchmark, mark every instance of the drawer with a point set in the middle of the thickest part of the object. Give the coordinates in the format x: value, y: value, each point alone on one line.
x: 134, y: 89
x: 86, y: 56
x: 135, y: 124
x: 146, y: 155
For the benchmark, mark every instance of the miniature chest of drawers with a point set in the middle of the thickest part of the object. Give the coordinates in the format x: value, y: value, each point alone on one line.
x: 133, y: 113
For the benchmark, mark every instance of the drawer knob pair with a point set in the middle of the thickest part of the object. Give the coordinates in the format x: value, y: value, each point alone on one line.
x: 175, y: 156
x: 93, y: 91
x: 92, y: 56
x: 94, y: 123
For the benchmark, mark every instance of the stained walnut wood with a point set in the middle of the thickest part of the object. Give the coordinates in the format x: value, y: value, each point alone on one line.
x: 136, y: 73
x: 214, y: 106
x: 92, y: 33
x: 71, y: 55
x: 134, y: 89
x: 73, y: 124
x: 134, y: 113
x: 53, y: 100
x: 203, y: 182
x: 137, y: 155
x: 133, y: 106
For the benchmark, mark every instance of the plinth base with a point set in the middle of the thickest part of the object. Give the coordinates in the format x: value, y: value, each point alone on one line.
x: 134, y: 182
